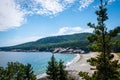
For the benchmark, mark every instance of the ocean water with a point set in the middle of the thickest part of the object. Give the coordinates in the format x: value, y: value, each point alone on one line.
x: 38, y: 60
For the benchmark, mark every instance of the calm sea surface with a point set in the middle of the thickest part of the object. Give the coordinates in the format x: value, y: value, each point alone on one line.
x: 38, y: 60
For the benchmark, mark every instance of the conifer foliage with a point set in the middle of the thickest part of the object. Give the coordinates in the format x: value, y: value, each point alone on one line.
x: 102, y: 42
x: 56, y: 70
x: 61, y: 72
x: 17, y: 71
x: 52, y: 69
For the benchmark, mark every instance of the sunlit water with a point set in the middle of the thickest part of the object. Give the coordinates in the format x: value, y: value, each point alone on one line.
x: 38, y: 60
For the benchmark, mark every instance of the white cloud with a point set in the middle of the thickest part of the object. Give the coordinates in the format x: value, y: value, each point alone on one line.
x: 12, y: 12
x: 45, y: 7
x: 85, y: 3
x: 10, y: 15
x: 109, y: 1
x: 69, y: 1
x: 49, y: 6
x: 72, y: 30
x: 52, y: 7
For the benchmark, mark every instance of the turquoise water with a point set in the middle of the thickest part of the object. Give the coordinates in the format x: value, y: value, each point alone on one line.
x: 38, y: 60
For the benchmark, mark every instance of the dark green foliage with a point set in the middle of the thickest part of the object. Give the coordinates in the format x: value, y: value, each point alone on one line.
x: 29, y: 72
x: 62, y: 73
x: 103, y: 41
x: 47, y: 44
x: 3, y: 73
x: 85, y: 76
x: 116, y: 44
x: 17, y: 71
x: 75, y: 41
x: 108, y: 71
x: 52, y: 69
x: 56, y: 70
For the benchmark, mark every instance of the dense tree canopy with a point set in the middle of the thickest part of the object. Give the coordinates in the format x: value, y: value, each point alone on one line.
x: 49, y: 43
x: 17, y: 71
x: 56, y: 70
x: 52, y: 69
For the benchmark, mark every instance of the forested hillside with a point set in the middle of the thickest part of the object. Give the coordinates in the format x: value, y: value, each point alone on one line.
x: 74, y: 41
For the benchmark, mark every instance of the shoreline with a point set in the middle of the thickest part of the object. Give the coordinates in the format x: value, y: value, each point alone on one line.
x: 40, y: 76
x: 77, y: 64
x: 74, y: 60
x: 81, y: 65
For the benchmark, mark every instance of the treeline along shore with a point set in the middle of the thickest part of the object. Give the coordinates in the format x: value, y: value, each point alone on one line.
x: 49, y: 44
x: 75, y: 43
x: 56, y: 50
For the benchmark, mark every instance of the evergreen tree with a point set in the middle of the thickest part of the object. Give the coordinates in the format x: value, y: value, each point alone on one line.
x: 29, y: 73
x: 102, y: 42
x: 62, y: 73
x: 52, y: 69
x: 2, y: 73
x: 56, y: 70
x: 17, y: 71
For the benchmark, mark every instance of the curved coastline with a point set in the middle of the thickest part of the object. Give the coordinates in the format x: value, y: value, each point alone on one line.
x: 74, y: 60
x: 41, y: 76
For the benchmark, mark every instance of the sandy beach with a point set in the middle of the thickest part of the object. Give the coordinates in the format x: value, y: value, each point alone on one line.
x: 76, y: 65
x: 79, y: 63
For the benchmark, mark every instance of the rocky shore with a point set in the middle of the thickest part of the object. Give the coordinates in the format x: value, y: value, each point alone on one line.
x: 67, y: 50
x: 55, y: 50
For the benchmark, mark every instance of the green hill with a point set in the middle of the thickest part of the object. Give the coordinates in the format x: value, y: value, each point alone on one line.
x: 75, y: 41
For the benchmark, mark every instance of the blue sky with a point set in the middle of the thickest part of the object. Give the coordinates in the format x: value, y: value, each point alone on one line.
x: 28, y: 20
